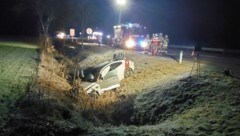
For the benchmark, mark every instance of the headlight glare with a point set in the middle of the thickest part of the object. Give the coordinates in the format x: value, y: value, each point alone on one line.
x: 130, y: 43
x: 143, y: 44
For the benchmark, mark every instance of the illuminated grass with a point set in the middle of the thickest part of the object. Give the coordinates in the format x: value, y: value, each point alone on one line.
x: 17, y: 66
x: 19, y: 44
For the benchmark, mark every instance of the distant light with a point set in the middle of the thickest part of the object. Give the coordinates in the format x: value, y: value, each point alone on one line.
x: 61, y: 35
x: 130, y: 43
x: 98, y: 33
x: 143, y: 44
x: 121, y: 2
x: 108, y: 36
x: 130, y: 25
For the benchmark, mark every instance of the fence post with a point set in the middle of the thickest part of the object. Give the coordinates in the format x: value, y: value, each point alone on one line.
x: 180, y: 57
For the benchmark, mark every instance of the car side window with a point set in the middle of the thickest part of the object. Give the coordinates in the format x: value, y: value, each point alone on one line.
x: 113, y: 71
x: 115, y: 65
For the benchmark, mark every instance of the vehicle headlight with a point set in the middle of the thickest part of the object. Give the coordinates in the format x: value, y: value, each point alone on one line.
x: 61, y: 35
x: 143, y: 44
x: 130, y: 43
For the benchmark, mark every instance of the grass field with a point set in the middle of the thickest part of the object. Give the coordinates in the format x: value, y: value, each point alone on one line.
x: 18, y: 62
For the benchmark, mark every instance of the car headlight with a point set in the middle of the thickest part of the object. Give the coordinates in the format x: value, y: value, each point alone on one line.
x: 61, y: 35
x: 143, y: 44
x: 130, y: 43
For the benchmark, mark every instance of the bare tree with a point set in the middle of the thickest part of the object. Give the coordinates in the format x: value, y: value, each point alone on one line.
x: 45, y: 12
x: 78, y: 12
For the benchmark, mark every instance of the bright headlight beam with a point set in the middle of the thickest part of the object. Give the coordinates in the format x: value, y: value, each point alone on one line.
x: 130, y: 43
x: 143, y: 44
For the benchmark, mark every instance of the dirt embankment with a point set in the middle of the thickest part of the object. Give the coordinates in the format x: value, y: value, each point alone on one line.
x: 52, y: 75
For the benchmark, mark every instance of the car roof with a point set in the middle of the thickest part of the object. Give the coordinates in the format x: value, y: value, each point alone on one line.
x: 104, y: 64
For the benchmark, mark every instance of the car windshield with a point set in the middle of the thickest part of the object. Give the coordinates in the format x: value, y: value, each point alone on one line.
x: 95, y: 71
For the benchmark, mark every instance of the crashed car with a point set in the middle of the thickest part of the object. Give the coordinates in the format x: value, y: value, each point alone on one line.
x: 106, y: 76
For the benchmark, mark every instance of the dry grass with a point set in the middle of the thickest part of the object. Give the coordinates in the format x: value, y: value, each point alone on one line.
x: 52, y: 76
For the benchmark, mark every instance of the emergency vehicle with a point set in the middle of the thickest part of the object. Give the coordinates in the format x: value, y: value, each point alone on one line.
x: 130, y: 36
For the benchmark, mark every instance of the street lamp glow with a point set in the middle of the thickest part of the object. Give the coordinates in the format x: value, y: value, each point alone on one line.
x: 121, y: 2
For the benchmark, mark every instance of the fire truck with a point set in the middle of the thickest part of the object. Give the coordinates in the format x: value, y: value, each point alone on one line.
x: 130, y: 36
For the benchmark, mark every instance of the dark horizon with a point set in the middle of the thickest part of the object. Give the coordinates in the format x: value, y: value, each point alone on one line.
x: 212, y: 22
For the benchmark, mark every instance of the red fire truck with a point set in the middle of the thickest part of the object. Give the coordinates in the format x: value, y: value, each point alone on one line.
x: 130, y: 36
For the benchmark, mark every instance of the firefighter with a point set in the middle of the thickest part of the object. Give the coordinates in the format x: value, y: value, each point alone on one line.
x: 155, y: 44
x: 165, y: 43
x: 148, y: 40
x: 161, y: 40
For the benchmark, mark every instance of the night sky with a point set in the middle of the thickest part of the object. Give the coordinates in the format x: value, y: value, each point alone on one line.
x: 211, y: 22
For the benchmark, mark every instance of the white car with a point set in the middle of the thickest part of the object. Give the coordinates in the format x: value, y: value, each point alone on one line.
x: 105, y: 76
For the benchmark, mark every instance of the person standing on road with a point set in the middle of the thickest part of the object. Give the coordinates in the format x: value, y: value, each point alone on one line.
x: 155, y: 44
x: 166, y: 41
x: 148, y: 40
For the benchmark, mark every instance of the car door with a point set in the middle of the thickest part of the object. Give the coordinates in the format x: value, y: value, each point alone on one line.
x: 109, y: 77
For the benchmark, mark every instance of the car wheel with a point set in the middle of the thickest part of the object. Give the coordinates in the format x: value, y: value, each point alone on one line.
x: 94, y: 94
